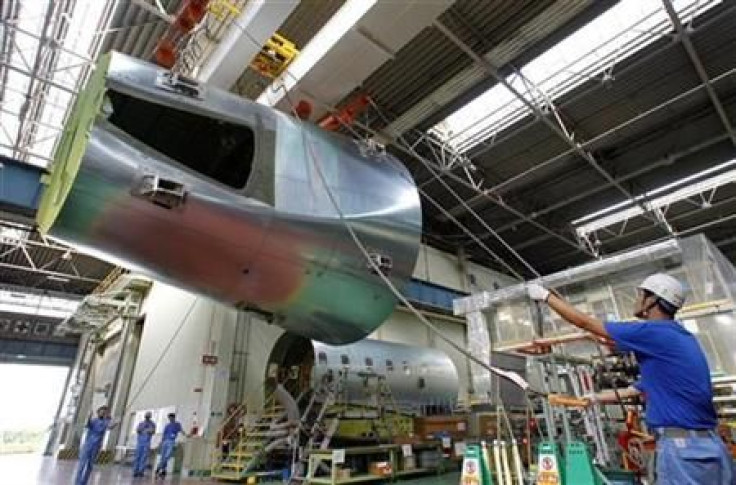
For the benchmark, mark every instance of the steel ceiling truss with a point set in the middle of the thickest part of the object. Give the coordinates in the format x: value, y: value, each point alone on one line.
x: 557, y: 127
x: 439, y: 160
x: 684, y: 35
x: 545, y: 107
x: 698, y: 201
x: 446, y: 158
x: 30, y: 261
x: 42, y: 75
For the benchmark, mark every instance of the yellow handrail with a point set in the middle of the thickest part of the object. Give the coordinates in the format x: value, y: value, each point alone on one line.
x: 228, y: 432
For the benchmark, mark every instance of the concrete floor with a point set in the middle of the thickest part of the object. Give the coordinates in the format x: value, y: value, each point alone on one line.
x: 41, y: 470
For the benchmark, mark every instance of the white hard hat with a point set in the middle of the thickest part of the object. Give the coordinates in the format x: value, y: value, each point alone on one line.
x: 666, y: 287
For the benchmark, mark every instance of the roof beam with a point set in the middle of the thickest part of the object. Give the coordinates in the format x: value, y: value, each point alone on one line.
x: 437, y: 170
x: 32, y: 105
x: 506, y: 184
x: 533, y: 32
x: 29, y: 262
x: 679, y: 217
x: 687, y: 43
x: 662, y: 162
x: 559, y: 131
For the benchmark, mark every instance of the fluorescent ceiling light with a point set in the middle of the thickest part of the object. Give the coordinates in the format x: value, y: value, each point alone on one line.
x: 62, y: 279
x: 659, y: 198
x: 591, y: 52
x: 334, y: 30
x: 83, y: 27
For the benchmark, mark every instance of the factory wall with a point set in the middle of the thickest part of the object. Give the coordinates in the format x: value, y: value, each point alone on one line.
x: 454, y: 272
x: 242, y: 343
x: 175, y: 378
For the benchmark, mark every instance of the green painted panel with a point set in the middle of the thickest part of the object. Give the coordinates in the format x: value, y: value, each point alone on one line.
x: 72, y: 147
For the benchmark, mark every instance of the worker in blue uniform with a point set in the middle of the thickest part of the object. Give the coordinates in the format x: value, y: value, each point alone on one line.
x: 145, y: 431
x: 168, y: 442
x: 675, y: 381
x: 96, y: 428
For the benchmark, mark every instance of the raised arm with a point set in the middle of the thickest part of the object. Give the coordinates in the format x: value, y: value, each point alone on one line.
x: 566, y: 310
x: 612, y: 397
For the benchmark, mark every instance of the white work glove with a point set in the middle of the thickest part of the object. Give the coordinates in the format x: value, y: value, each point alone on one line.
x: 537, y: 292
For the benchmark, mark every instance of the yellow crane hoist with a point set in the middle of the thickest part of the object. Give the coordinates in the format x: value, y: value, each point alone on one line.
x: 275, y: 56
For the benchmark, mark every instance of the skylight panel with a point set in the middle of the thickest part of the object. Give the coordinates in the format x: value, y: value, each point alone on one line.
x: 591, y: 52
x: 334, y: 30
x: 74, y: 55
x: 21, y: 59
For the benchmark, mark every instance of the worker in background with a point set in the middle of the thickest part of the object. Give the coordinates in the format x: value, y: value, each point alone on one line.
x: 96, y: 428
x: 168, y: 442
x: 145, y: 431
x: 675, y: 380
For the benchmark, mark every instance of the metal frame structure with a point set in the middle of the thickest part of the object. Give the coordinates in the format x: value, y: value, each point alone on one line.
x: 43, y: 73
x: 546, y: 111
x: 557, y: 126
x: 32, y: 261
x: 461, y: 169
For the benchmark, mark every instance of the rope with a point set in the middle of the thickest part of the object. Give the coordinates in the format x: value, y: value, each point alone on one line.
x: 513, y: 377
x: 405, y: 147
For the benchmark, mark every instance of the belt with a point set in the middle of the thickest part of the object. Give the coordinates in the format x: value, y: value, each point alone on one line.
x: 683, y: 433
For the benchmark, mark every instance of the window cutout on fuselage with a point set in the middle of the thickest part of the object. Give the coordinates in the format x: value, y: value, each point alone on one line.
x: 218, y: 149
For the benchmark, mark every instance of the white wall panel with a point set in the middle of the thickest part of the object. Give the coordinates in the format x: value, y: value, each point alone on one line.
x: 180, y: 379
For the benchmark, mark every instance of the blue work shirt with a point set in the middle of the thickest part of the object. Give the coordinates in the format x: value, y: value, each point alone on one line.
x: 145, y: 431
x: 171, y: 430
x: 674, y: 373
x: 96, y: 428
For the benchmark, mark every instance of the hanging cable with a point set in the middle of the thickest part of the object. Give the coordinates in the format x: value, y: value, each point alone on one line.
x: 406, y: 148
x: 462, y: 201
x: 513, y: 377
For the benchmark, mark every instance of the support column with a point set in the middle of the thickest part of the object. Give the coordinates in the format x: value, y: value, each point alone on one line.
x: 466, y: 285
x: 479, y: 345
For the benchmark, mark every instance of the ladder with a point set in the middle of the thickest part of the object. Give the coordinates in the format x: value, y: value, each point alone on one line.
x: 266, y: 431
x: 316, y: 431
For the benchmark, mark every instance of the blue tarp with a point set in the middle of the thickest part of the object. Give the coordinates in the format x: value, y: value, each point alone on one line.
x: 431, y: 294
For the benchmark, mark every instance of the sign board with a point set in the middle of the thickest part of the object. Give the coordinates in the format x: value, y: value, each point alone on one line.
x: 209, y: 359
x: 549, y: 469
x: 338, y: 457
x: 471, y: 471
x: 475, y: 470
x: 460, y: 448
x: 406, y: 450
